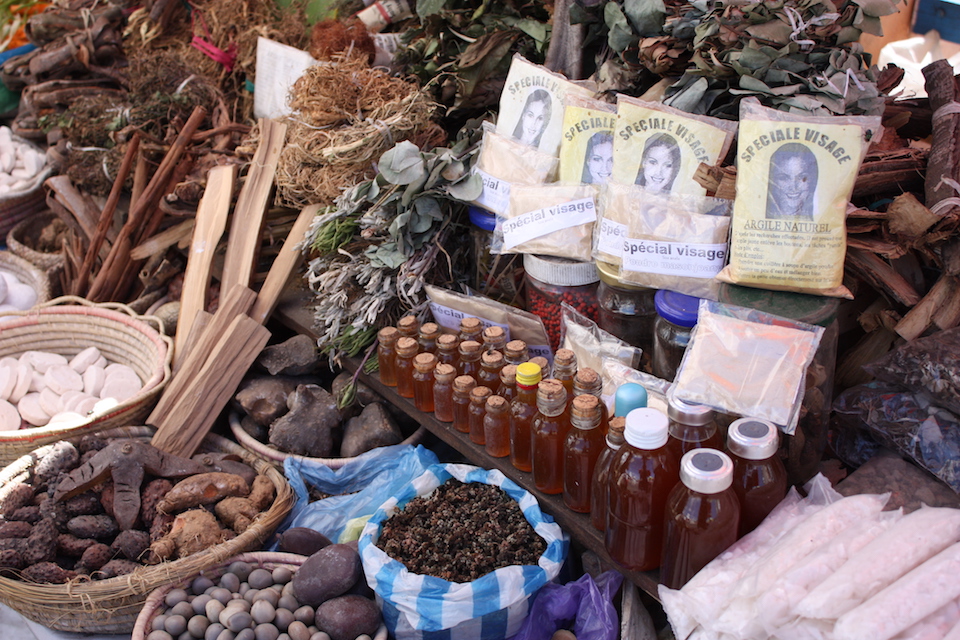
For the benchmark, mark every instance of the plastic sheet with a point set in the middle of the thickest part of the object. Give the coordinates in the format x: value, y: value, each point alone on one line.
x: 583, y: 605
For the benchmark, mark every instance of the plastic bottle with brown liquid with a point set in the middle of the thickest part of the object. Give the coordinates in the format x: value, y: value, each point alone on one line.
x: 471, y: 329
x: 583, y: 446
x: 599, y: 503
x: 508, y: 382
x: 564, y: 369
x: 496, y: 427
x: 407, y: 349
x: 759, y: 476
x: 550, y: 428
x: 443, y: 392
x: 470, y: 359
x: 409, y: 327
x: 702, y: 516
x: 462, y: 386
x: 523, y: 409
x: 476, y: 412
x: 429, y: 332
x: 692, y: 426
x: 423, y: 380
x: 494, y: 339
x: 448, y: 349
x: 491, y: 362
x: 387, y: 355
x: 515, y: 352
x: 642, y: 475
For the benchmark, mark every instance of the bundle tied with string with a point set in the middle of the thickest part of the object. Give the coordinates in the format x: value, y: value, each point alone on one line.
x: 346, y: 115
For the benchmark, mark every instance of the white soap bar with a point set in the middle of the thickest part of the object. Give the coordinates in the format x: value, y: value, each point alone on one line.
x: 37, y: 382
x: 86, y: 405
x: 8, y: 379
x: 67, y: 419
x: 102, y: 362
x: 93, y: 379
x: 71, y: 399
x: 117, y: 369
x: 9, y: 417
x: 120, y: 388
x: 42, y: 360
x: 21, y: 296
x: 50, y: 401
x: 3, y: 290
x: 62, y: 378
x: 9, y: 278
x: 84, y: 359
x: 24, y: 379
x: 105, y: 405
x: 31, y: 411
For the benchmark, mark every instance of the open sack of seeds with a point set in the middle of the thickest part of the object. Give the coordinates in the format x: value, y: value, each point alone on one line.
x: 411, y: 524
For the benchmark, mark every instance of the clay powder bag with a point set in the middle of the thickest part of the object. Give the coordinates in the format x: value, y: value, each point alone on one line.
x: 504, y: 162
x: 531, y: 104
x: 586, y: 149
x: 660, y: 148
x: 550, y: 220
x: 795, y: 175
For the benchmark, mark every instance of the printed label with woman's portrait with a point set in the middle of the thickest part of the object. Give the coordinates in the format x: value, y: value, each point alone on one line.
x: 660, y: 149
x: 586, y: 149
x: 531, y: 105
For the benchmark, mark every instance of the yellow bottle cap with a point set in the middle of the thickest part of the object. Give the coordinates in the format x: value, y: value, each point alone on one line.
x: 528, y: 374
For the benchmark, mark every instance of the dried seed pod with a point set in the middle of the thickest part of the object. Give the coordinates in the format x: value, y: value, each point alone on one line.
x: 15, y: 529
x: 19, y: 495
x: 41, y: 545
x: 48, y: 572
x: 116, y: 567
x: 94, y: 558
x: 98, y: 527
x: 70, y: 545
x: 30, y: 513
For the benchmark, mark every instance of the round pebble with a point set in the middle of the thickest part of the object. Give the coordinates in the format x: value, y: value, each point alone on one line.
x: 158, y: 622
x: 287, y: 589
x: 246, y: 634
x: 282, y: 575
x: 260, y: 579
x: 251, y: 594
x: 221, y: 594
x: 262, y: 611
x: 266, y: 632
x: 198, y: 625
x: 175, y: 625
x: 283, y: 619
x: 240, y: 569
x: 320, y: 635
x: 159, y: 634
x: 305, y: 614
x: 288, y: 602
x: 269, y: 595
x: 199, y: 603
x: 230, y: 581
x: 238, y: 620
x: 214, y: 608
x: 226, y: 634
x: 201, y: 584
x: 184, y: 609
x: 213, y: 631
x: 298, y: 631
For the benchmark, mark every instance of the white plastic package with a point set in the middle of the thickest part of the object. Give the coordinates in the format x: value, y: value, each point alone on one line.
x: 592, y: 344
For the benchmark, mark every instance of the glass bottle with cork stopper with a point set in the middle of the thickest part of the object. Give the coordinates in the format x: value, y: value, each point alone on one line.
x: 523, y: 410
x: 494, y: 339
x: 409, y: 327
x: 429, y: 332
x: 423, y: 380
x: 448, y: 345
x: 541, y: 362
x: 469, y: 364
x: 476, y: 412
x: 462, y: 386
x: 759, y: 476
x: 444, y: 375
x: 496, y: 427
x: 471, y: 329
x: 588, y: 382
x: 550, y: 428
x: 702, y: 516
x: 692, y: 426
x: 676, y: 318
x: 599, y: 504
x: 407, y: 349
x: 581, y: 450
x: 642, y: 474
x: 515, y: 352
x: 491, y: 362
x: 508, y: 382
x: 565, y: 368
x: 387, y: 355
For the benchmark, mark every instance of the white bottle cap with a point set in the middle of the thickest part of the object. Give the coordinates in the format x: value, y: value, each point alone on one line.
x: 753, y: 439
x: 646, y: 428
x: 706, y: 470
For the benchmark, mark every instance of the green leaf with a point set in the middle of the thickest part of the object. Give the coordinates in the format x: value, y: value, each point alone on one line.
x: 426, y: 8
x: 428, y: 208
x: 776, y: 31
x: 402, y: 164
x: 533, y: 28
x: 620, y: 35
x: 646, y: 16
x: 386, y: 255
x: 468, y: 189
x: 877, y: 8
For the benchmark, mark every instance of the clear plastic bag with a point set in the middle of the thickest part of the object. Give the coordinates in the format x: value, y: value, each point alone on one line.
x: 616, y: 373
x: 550, y: 220
x: 504, y: 162
x: 592, y: 344
x: 586, y: 149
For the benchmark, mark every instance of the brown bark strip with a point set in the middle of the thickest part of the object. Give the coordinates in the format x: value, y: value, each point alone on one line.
x: 944, y: 160
x: 881, y: 276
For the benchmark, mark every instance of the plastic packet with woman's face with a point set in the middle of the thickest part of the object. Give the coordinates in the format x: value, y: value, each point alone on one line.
x: 586, y: 150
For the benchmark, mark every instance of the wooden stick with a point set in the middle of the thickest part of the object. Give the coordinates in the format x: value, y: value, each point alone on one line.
x: 84, y: 214
x: 163, y: 240
x: 211, y: 221
x: 920, y: 317
x: 283, y: 265
x: 200, y: 322
x: 106, y: 216
x: 248, y: 216
x: 140, y: 176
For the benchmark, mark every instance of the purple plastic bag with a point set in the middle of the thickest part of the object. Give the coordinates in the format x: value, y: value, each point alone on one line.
x: 583, y: 605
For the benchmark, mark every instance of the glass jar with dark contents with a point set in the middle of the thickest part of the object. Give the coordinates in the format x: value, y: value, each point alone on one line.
x: 676, y: 318
x: 627, y: 311
x: 551, y: 281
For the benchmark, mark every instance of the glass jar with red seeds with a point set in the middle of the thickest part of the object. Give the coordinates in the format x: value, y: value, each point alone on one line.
x: 551, y: 281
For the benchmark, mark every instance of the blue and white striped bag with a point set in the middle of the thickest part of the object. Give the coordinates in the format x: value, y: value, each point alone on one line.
x: 418, y: 607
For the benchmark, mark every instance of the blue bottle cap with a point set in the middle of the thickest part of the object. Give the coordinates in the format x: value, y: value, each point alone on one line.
x: 482, y: 218
x: 629, y: 396
x: 678, y: 308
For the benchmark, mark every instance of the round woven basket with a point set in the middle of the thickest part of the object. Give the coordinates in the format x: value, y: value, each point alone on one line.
x: 112, y: 606
x: 69, y: 325
x: 28, y: 273
x: 277, y: 457
x: 24, y: 235
x: 259, y: 559
x: 24, y: 203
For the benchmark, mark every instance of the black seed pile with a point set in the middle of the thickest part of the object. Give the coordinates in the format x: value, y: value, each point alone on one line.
x: 461, y: 532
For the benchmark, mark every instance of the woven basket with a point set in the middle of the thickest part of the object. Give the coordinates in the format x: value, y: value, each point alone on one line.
x: 28, y: 273
x: 277, y: 457
x: 112, y: 606
x: 68, y: 325
x: 24, y: 235
x: 154, y: 604
x: 21, y: 205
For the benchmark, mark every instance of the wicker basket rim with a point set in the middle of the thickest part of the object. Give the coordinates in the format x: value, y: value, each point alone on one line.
x: 38, y: 278
x: 41, y: 259
x: 35, y: 184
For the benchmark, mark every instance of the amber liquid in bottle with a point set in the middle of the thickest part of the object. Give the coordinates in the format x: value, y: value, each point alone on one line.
x: 583, y: 446
x: 491, y: 362
x: 601, y: 475
x: 448, y: 346
x: 588, y: 381
x: 494, y: 339
x: 522, y: 412
x: 406, y: 351
x: 684, y: 437
x: 471, y: 329
x: 443, y: 376
x: 508, y: 383
x: 496, y: 427
x: 476, y: 412
x: 550, y: 428
x: 565, y: 369
x: 640, y: 481
x: 760, y: 486
x: 429, y: 332
x: 697, y: 528
x: 408, y: 326
x: 423, y: 380
x: 462, y: 386
x: 387, y: 355
x: 515, y: 352
x: 470, y: 359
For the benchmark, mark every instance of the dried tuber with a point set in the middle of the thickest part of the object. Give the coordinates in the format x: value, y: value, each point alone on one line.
x: 239, y: 513
x: 116, y: 567
x: 70, y: 545
x: 15, y: 529
x: 130, y: 544
x: 41, y: 544
x: 151, y: 496
x: 192, y: 531
x: 201, y: 489
x: 18, y: 495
